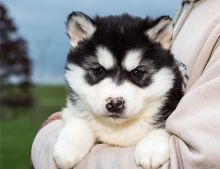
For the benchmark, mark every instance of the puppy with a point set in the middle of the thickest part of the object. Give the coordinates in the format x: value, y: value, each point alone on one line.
x: 123, y: 84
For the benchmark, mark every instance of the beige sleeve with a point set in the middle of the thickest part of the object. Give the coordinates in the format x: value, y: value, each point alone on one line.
x: 43, y: 146
x: 195, y: 125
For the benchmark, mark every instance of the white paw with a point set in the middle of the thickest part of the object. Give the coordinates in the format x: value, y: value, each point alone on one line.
x: 66, y: 156
x: 152, y: 152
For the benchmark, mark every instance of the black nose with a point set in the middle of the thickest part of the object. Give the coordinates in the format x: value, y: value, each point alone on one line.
x: 115, y: 105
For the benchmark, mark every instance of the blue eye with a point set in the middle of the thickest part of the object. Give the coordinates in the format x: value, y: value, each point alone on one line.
x: 99, y: 70
x: 137, y: 73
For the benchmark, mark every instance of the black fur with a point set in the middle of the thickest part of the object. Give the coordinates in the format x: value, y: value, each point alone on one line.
x: 119, y: 34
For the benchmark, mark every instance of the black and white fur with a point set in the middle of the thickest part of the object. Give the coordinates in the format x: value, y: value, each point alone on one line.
x: 123, y: 84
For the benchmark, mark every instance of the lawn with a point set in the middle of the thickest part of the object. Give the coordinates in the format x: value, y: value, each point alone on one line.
x: 17, y: 133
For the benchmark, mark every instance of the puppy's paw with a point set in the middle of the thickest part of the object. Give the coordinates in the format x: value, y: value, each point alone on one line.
x: 66, y: 156
x: 152, y: 151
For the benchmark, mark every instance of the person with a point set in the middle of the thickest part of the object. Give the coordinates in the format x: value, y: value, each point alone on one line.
x: 194, y: 125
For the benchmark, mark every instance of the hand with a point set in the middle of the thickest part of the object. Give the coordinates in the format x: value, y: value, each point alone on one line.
x: 54, y: 116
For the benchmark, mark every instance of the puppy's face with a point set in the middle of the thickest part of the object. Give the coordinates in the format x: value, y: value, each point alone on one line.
x: 119, y: 66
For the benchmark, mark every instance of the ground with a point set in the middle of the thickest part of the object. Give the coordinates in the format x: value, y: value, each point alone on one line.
x: 18, y: 130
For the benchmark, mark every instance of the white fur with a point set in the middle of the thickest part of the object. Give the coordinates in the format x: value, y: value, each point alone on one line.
x: 141, y: 104
x: 162, y: 82
x: 105, y: 57
x: 153, y: 150
x: 86, y: 118
x: 132, y: 59
x: 74, y: 142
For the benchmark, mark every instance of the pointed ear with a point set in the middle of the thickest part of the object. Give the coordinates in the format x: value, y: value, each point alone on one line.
x: 79, y: 27
x: 161, y: 31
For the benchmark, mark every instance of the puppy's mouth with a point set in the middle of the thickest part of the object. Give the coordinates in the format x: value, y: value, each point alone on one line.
x: 114, y: 116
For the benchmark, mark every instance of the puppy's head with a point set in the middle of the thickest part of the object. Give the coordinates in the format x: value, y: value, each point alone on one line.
x: 118, y: 66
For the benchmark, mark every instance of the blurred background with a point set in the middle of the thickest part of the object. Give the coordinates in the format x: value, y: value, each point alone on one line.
x: 33, y: 49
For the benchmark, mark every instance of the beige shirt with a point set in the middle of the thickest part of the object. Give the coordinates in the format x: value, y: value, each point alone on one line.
x: 194, y: 125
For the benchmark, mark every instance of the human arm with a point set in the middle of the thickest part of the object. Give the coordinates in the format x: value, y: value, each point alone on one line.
x: 195, y: 125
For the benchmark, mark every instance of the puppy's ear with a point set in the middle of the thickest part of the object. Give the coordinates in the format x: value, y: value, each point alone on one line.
x: 79, y: 27
x: 161, y: 31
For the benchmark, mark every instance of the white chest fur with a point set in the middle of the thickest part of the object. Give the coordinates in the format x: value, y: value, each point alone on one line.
x: 126, y: 134
x: 121, y: 134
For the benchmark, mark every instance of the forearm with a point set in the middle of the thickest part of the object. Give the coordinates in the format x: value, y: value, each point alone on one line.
x: 195, y: 123
x: 43, y: 146
x: 108, y: 157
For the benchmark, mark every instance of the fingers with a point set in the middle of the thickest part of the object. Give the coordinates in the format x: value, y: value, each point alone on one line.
x: 53, y: 117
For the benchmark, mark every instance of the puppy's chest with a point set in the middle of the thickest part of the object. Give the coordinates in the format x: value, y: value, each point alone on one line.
x: 124, y: 135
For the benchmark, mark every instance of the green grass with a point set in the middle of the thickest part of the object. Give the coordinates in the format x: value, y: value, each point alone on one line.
x: 18, y: 133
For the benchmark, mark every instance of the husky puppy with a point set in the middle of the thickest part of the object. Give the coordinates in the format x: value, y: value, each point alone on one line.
x: 123, y: 84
